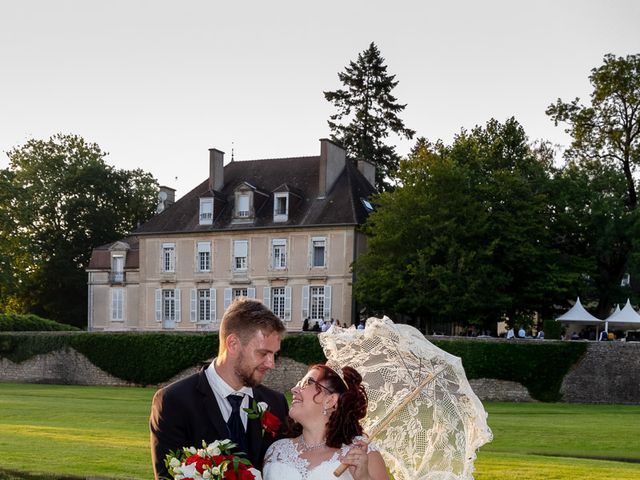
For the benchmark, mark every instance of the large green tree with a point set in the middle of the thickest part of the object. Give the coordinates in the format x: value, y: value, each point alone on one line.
x: 367, y: 113
x: 464, y: 239
x: 606, y: 139
x: 59, y: 200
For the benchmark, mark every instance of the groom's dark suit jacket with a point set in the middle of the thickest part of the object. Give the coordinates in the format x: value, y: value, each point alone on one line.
x: 186, y: 412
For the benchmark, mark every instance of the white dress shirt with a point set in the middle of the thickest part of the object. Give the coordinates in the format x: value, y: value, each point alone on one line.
x: 222, y: 389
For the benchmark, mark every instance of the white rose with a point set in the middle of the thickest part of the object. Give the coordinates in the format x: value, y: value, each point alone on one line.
x: 202, y: 452
x: 256, y: 473
x: 192, y: 450
x: 262, y: 406
x: 214, y: 448
x: 215, y: 470
x: 174, y: 462
x: 206, y: 474
x: 190, y: 471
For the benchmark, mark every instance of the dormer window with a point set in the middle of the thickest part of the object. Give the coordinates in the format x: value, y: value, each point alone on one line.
x: 242, y: 209
x: 280, y: 207
x: 206, y: 211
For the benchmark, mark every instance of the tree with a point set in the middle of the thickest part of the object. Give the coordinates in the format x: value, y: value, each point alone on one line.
x: 64, y: 201
x: 465, y: 238
x: 367, y: 113
x: 606, y: 136
x: 608, y: 130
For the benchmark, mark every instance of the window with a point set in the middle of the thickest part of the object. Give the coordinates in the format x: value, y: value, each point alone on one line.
x: 240, y: 250
x: 203, y: 261
x: 279, y: 253
x: 243, y: 206
x: 240, y: 292
x: 318, y: 251
x: 168, y: 257
x: 206, y: 211
x: 168, y: 304
x: 316, y: 302
x: 278, y: 301
x: 117, y: 304
x: 280, y: 207
x: 117, y: 269
x: 204, y: 305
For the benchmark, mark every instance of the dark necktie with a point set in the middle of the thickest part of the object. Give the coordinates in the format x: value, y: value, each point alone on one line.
x: 236, y: 429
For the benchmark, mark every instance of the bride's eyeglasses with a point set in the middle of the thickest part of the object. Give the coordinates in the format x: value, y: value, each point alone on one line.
x: 305, y: 382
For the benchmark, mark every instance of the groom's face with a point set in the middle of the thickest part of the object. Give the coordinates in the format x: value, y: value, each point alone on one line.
x: 257, y: 357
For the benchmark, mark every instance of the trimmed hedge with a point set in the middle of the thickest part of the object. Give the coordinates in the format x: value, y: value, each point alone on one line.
x: 13, y: 322
x: 539, y: 366
x: 152, y: 358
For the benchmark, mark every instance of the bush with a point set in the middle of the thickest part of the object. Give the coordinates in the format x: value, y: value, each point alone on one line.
x: 152, y: 358
x: 552, y: 329
x: 11, y: 322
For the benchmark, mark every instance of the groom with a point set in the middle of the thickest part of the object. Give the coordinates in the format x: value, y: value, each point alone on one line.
x: 209, y: 405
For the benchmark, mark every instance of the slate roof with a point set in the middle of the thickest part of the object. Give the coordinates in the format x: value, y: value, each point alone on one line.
x: 341, y: 206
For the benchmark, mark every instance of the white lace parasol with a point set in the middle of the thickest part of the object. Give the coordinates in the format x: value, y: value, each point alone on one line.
x: 435, y: 421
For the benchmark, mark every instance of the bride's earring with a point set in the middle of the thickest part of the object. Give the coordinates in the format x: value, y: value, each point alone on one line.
x: 324, y: 410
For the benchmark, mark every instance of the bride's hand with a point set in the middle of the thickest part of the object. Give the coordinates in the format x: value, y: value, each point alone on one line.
x: 358, y: 460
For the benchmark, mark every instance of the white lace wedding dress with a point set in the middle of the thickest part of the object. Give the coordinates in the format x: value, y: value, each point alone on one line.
x: 283, y: 462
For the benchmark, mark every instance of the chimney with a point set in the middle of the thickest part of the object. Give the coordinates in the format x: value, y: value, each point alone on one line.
x: 368, y: 170
x: 216, y: 169
x: 332, y: 162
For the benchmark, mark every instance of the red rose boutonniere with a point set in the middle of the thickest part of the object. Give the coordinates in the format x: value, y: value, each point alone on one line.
x: 270, y: 423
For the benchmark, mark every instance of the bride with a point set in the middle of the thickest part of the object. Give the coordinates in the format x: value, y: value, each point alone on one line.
x: 327, y: 407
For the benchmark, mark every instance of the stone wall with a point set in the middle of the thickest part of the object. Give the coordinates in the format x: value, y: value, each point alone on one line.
x: 608, y: 373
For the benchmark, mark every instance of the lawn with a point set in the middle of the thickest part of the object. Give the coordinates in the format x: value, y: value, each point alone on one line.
x: 102, y: 431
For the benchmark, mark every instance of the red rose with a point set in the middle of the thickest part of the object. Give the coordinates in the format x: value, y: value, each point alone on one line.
x: 270, y: 423
x: 202, y: 462
x: 192, y: 459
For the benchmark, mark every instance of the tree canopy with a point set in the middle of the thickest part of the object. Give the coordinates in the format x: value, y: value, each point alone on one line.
x: 465, y: 238
x: 59, y: 200
x: 603, y: 157
x: 367, y: 113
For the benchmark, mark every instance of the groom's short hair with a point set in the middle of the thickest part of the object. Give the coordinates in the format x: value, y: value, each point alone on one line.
x: 245, y: 316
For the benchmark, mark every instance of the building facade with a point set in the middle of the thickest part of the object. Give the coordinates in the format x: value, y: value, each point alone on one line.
x: 282, y: 231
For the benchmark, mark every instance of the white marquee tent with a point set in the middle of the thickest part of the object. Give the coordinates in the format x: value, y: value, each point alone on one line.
x: 577, y: 315
x: 627, y: 318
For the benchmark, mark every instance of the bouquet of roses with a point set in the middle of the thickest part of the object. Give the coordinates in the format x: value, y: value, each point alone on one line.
x: 211, y: 462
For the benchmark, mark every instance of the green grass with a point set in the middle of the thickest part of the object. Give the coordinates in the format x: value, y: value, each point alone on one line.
x: 102, y: 431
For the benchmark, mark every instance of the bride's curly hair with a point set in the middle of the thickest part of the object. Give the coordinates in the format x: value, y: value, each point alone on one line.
x: 344, y: 421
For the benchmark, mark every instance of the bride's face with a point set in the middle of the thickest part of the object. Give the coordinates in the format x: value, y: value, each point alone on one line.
x: 309, y: 398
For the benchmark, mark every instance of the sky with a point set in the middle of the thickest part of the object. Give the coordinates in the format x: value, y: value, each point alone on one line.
x: 156, y: 83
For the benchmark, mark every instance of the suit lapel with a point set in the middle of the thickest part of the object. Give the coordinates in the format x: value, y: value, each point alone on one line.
x: 211, y: 406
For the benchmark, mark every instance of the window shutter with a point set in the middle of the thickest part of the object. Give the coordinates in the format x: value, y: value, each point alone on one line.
x: 227, y: 298
x: 287, y: 303
x: 266, y: 297
x: 113, y: 304
x: 327, y: 302
x: 194, y: 305
x: 251, y: 293
x: 177, y: 293
x: 305, y: 301
x: 212, y: 304
x: 158, y: 305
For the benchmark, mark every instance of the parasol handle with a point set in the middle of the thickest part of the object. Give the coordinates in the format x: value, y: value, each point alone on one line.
x: 391, y: 415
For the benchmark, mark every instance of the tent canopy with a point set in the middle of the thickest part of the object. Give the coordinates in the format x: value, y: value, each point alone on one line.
x: 578, y: 314
x: 627, y: 317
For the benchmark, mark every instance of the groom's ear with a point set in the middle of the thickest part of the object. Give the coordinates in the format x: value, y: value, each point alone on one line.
x: 232, y: 343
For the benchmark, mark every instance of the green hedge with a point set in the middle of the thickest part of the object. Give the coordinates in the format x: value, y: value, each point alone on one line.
x: 538, y: 365
x: 12, y: 322
x: 151, y: 358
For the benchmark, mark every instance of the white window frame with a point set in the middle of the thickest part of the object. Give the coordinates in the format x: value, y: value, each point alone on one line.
x: 117, y: 304
x: 203, y: 301
x: 243, y: 209
x: 170, y: 304
x: 278, y: 215
x: 206, y: 211
x: 279, y: 253
x: 312, y: 251
x: 203, y: 256
x: 168, y: 258
x: 230, y: 294
x: 316, y: 300
x: 240, y: 255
